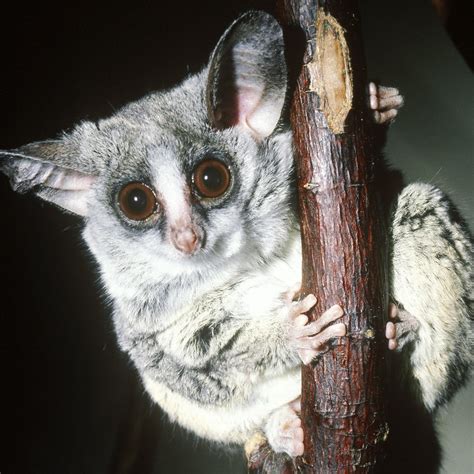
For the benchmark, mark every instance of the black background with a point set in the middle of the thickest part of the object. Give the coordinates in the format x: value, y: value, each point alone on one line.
x: 67, y: 393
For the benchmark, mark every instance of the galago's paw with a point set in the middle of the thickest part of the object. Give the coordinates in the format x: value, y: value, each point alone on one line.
x: 401, y: 328
x: 310, y: 339
x: 285, y: 432
x: 385, y: 102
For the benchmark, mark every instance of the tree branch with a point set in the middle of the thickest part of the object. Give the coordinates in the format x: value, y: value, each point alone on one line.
x: 344, y: 239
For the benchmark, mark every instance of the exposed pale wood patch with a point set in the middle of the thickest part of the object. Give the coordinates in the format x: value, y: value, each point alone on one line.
x: 330, y: 71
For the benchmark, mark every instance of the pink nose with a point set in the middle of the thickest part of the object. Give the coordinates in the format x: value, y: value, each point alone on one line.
x: 185, y: 239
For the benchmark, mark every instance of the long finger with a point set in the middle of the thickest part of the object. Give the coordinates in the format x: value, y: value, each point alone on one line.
x: 332, y: 314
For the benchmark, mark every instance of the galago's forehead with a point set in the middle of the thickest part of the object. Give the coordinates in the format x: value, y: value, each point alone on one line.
x: 148, y: 152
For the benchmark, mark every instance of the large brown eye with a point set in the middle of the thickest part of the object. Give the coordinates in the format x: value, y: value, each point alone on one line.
x: 211, y: 178
x: 137, y: 201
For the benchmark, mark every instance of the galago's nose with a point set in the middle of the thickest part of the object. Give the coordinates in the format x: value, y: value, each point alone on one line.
x: 186, y: 238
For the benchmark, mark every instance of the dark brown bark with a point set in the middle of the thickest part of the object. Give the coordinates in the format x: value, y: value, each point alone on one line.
x: 344, y: 247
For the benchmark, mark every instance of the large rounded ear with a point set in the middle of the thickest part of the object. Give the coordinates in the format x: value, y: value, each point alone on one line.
x: 52, y: 171
x: 247, y: 78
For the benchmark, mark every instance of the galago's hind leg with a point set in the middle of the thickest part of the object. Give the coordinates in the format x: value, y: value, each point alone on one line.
x: 284, y: 430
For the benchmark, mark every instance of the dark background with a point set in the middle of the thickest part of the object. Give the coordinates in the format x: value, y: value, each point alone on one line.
x: 70, y: 400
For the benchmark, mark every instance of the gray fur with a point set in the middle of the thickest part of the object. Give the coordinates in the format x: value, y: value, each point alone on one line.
x: 209, y: 332
x: 432, y: 280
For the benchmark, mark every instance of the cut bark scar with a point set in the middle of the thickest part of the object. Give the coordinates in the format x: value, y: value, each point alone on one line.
x: 330, y: 71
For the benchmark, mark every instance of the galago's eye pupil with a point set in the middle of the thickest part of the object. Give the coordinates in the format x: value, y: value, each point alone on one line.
x: 137, y: 201
x: 211, y: 178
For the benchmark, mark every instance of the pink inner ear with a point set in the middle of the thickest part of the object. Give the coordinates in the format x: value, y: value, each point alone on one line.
x: 73, y: 181
x: 248, y: 100
x: 236, y: 109
x: 250, y: 107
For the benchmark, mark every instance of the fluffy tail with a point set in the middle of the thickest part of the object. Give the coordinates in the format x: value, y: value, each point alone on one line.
x: 433, y: 280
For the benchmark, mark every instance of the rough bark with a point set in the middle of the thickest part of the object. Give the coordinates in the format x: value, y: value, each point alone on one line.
x: 344, y: 247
